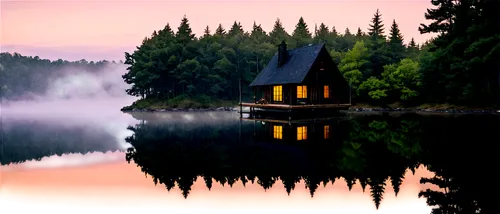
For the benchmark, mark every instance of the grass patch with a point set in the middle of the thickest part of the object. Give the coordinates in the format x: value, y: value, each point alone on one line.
x: 181, y: 102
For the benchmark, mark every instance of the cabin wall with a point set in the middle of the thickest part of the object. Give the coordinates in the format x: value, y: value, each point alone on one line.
x: 266, y: 92
x: 331, y: 76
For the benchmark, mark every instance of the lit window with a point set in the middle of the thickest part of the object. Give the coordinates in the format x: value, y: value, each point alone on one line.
x: 326, y: 91
x: 327, y: 131
x: 302, y: 133
x: 278, y: 132
x: 278, y: 93
x: 301, y: 91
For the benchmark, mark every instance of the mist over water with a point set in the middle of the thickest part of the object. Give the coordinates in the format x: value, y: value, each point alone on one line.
x: 79, y: 107
x: 75, y: 93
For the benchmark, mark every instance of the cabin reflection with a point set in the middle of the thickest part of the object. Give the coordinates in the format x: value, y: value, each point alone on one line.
x: 301, y: 131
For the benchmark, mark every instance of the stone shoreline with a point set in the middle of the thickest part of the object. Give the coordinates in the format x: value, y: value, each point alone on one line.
x: 402, y: 110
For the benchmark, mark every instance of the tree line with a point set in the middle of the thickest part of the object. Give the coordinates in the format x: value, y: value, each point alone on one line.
x: 24, y: 76
x: 457, y: 66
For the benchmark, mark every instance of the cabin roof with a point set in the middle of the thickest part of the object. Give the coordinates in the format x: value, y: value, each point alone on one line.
x: 294, y: 70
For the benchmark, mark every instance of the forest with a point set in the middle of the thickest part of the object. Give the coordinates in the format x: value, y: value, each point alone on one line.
x: 457, y: 66
x: 23, y: 77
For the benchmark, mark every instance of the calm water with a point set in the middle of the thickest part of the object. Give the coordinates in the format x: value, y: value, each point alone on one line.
x: 215, y: 163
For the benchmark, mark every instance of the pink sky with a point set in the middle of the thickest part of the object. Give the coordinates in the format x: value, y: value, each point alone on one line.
x: 104, y: 29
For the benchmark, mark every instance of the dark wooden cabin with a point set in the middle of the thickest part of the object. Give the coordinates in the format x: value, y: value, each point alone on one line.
x: 305, y: 77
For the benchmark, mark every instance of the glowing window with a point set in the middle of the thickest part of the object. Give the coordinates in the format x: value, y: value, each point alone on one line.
x: 327, y: 131
x: 278, y: 93
x: 278, y: 132
x: 302, y: 133
x: 301, y: 91
x: 326, y: 91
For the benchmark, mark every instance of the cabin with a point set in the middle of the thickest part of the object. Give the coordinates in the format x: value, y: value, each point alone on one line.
x: 301, y: 78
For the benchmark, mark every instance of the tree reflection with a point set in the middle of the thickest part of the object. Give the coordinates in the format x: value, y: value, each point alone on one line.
x: 465, y: 160
x: 32, y: 140
x: 363, y: 150
x: 369, y: 150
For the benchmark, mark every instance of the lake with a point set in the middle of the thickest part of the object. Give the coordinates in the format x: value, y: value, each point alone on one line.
x: 213, y: 162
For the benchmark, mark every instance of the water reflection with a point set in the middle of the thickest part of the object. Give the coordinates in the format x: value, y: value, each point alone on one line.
x: 368, y: 150
x: 369, y: 153
x: 24, y: 140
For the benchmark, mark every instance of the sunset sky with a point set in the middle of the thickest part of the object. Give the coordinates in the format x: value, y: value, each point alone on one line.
x: 104, y: 29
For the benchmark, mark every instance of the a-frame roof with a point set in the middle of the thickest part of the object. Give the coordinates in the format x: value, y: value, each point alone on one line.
x: 294, y: 70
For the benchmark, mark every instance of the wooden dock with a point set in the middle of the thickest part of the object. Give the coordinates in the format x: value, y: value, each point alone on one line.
x: 297, y: 107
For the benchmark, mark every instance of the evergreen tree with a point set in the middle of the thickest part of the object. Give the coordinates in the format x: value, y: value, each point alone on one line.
x: 360, y: 33
x: 322, y: 34
x: 443, y: 15
x: 396, y: 47
x: 301, y: 34
x: 412, y: 50
x: 347, y: 32
x: 258, y: 34
x: 278, y: 34
x: 236, y: 29
x: 464, y: 55
x: 376, y: 30
x: 206, y: 32
x: 377, y: 45
x: 184, y: 33
x: 334, y: 31
x: 220, y: 31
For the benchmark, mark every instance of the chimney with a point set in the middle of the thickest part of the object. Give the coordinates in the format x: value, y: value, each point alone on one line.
x: 282, y: 54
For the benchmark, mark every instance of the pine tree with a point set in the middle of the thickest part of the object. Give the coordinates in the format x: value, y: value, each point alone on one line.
x: 278, y: 34
x: 376, y: 30
x: 412, y: 50
x: 258, y: 34
x: 236, y: 29
x: 206, y: 32
x: 184, y: 33
x: 166, y: 33
x: 360, y: 33
x: 347, y: 32
x: 322, y: 34
x: 377, y: 45
x: 301, y: 34
x: 396, y: 47
x: 412, y: 43
x: 443, y: 14
x: 334, y: 32
x: 220, y: 31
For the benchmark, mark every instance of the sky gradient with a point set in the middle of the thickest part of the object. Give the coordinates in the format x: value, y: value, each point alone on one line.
x: 71, y: 29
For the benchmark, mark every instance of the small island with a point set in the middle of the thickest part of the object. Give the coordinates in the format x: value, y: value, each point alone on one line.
x: 179, y: 71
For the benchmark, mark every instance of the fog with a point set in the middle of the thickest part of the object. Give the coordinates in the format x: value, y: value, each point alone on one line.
x: 79, y: 112
x: 74, y: 92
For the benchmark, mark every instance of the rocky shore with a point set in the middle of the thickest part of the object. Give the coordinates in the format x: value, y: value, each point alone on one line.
x: 427, y: 110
